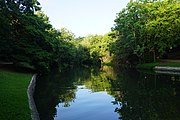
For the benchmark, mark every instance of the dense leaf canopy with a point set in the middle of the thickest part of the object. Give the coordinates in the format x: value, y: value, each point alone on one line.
x: 147, y: 26
x: 145, y: 29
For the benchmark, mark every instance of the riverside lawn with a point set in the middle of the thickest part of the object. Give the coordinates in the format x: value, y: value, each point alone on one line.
x: 152, y: 65
x: 13, y: 95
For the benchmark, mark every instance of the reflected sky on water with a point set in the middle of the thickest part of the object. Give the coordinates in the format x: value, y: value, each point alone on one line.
x: 108, y: 94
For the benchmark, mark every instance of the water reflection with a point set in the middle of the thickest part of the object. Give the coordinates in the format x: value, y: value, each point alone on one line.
x: 132, y: 95
x: 56, y: 88
x: 149, y: 97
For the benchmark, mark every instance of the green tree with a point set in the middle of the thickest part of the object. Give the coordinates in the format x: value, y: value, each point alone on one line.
x: 66, y: 34
x: 146, y: 28
x: 98, y: 46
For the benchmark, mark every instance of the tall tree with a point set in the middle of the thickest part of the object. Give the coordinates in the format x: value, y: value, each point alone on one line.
x: 147, y: 27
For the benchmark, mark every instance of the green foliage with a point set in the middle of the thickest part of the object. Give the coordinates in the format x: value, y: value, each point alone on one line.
x: 23, y: 35
x: 28, y: 37
x: 146, y: 26
x: 66, y: 34
x: 98, y: 46
x: 143, y: 28
x: 83, y: 55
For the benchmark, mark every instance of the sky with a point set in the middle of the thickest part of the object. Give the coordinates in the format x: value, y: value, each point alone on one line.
x: 83, y: 17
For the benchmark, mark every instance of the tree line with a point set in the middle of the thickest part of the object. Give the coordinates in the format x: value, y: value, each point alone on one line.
x: 146, y: 30
x: 27, y: 38
x: 143, y: 31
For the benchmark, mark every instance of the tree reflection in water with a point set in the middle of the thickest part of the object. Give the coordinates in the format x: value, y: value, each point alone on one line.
x: 149, y: 96
x: 56, y: 88
x: 138, y: 95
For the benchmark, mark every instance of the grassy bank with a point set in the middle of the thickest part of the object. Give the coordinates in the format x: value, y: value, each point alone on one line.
x: 13, y: 96
x: 150, y: 66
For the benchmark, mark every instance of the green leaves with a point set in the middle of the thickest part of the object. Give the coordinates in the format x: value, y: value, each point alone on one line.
x: 66, y: 34
x: 147, y: 24
x: 20, y: 6
x: 98, y: 46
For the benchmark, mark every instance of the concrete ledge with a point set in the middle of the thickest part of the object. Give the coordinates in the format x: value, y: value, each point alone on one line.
x: 30, y: 93
x: 168, y: 72
x: 6, y: 63
x: 177, y: 69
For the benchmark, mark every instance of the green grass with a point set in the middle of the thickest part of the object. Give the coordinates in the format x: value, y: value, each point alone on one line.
x: 170, y: 64
x: 149, y: 66
x: 13, y: 96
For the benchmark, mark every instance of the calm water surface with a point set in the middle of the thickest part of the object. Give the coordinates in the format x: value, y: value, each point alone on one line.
x: 107, y: 94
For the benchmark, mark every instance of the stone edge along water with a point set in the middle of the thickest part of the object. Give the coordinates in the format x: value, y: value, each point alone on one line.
x: 31, y: 89
x: 30, y: 92
x: 167, y: 68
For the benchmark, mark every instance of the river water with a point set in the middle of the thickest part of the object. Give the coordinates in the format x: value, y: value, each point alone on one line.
x: 108, y: 94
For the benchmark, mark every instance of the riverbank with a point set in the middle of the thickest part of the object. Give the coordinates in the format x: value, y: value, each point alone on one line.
x: 30, y: 92
x: 13, y: 95
x: 165, y: 65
